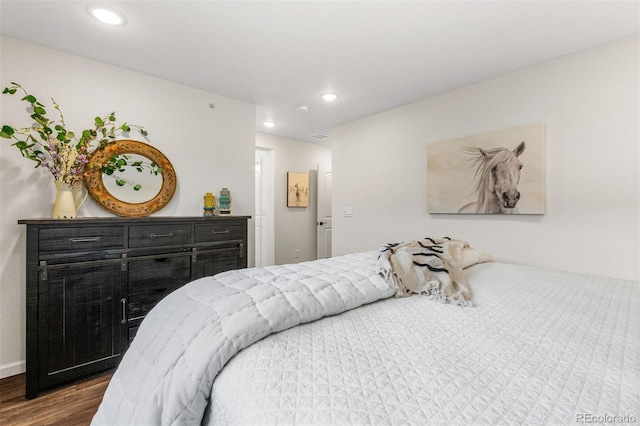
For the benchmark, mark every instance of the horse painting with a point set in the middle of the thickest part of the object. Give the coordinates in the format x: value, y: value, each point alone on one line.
x: 496, y: 180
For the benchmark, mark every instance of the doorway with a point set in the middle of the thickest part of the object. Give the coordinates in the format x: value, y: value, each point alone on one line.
x: 264, y: 213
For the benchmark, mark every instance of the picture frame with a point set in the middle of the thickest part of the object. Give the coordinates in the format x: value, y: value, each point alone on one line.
x: 297, y: 189
x: 499, y: 172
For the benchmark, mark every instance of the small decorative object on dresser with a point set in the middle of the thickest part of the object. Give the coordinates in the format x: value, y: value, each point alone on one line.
x: 225, y: 202
x: 209, y: 204
x: 91, y: 281
x: 68, y: 200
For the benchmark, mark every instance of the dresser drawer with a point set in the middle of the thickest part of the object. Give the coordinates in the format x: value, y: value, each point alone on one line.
x: 80, y: 239
x: 140, y: 304
x: 213, y: 232
x: 213, y: 262
x: 152, y: 279
x: 159, y: 235
x: 159, y: 273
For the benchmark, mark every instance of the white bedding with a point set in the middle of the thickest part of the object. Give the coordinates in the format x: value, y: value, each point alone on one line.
x: 165, y: 377
x: 537, y: 347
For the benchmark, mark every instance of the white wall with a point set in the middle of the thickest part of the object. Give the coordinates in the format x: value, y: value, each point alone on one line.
x: 209, y: 149
x: 295, y: 227
x: 589, y: 102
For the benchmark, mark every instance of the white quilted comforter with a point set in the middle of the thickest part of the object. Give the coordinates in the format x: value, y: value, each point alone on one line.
x: 537, y: 347
x: 167, y: 373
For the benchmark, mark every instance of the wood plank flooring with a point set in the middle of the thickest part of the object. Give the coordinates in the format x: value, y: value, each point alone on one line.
x: 74, y: 404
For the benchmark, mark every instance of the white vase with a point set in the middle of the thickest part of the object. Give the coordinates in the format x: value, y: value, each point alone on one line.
x: 68, y: 200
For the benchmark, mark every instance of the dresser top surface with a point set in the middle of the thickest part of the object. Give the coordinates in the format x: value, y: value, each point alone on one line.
x: 127, y: 220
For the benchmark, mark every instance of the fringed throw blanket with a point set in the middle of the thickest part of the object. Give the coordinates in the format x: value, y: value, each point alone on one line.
x: 435, y: 267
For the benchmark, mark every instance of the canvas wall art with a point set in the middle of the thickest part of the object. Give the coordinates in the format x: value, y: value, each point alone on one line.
x: 501, y: 172
x: 298, y: 189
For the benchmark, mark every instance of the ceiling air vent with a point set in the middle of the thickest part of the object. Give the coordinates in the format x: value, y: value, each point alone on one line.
x: 319, y: 136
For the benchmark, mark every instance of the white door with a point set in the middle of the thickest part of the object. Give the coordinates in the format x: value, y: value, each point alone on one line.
x: 324, y: 212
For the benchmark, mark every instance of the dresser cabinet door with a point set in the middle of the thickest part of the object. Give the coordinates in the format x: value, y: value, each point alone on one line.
x: 80, y: 329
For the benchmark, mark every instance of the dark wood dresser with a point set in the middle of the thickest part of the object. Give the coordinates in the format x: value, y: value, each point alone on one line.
x: 91, y: 281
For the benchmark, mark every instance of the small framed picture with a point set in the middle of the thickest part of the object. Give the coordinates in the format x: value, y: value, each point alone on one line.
x: 297, y: 189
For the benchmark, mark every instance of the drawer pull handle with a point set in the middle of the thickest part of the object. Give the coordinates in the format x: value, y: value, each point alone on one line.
x: 124, y: 311
x: 84, y: 240
x: 226, y: 231
x: 169, y: 235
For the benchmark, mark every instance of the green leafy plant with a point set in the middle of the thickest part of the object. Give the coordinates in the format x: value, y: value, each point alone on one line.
x: 50, y: 144
x: 119, y: 163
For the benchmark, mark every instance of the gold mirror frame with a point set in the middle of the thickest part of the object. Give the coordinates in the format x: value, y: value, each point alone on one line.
x: 100, y: 194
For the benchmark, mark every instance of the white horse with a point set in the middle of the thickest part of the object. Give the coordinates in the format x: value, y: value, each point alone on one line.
x: 497, y: 176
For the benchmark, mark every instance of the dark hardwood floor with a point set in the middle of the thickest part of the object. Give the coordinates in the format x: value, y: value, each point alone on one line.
x: 74, y: 404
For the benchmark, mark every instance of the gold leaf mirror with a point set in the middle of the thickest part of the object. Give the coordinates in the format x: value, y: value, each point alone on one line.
x: 130, y: 178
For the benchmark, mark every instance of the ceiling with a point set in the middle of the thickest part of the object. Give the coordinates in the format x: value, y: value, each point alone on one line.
x: 277, y: 55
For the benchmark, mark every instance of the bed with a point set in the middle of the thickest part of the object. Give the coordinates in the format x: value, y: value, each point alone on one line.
x: 326, y: 342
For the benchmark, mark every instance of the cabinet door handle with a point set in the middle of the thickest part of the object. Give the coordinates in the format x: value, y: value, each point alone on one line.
x: 124, y: 311
x: 84, y: 240
x: 169, y: 235
x: 226, y: 231
x: 43, y: 270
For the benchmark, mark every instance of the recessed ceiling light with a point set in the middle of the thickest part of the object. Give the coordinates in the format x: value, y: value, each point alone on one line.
x: 269, y: 123
x: 106, y: 15
x: 329, y: 97
x: 303, y: 108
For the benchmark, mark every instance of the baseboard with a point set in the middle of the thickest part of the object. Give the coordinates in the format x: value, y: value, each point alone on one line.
x: 12, y: 369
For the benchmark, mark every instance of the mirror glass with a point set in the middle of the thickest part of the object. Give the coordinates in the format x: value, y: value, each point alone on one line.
x: 136, y: 182
x: 130, y: 178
